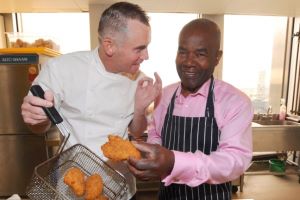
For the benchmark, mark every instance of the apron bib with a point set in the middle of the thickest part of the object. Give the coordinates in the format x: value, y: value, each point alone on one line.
x: 188, y: 134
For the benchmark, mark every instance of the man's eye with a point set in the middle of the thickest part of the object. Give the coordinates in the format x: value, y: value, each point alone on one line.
x: 181, y: 52
x: 200, y: 54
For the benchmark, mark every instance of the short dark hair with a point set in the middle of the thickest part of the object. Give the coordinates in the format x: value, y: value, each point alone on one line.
x: 114, y: 18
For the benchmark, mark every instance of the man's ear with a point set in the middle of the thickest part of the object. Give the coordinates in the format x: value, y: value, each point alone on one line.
x: 108, y: 46
x: 219, y: 56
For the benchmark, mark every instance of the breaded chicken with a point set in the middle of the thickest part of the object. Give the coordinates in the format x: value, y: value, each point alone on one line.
x: 93, y: 187
x: 74, y: 178
x: 118, y: 149
x: 101, y: 197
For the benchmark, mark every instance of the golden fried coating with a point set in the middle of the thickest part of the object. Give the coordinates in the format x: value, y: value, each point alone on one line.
x: 74, y: 178
x: 118, y: 149
x: 93, y: 187
x: 101, y: 197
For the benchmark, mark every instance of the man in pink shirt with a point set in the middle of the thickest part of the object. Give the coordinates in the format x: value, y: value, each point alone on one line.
x: 201, y: 129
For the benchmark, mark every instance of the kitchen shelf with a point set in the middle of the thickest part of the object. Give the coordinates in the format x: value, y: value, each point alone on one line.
x: 38, y: 50
x: 262, y: 168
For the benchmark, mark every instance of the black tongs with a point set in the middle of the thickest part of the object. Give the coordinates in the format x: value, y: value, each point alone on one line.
x: 53, y: 115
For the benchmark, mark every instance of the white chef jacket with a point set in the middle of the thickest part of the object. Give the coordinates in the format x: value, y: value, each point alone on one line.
x: 94, y: 102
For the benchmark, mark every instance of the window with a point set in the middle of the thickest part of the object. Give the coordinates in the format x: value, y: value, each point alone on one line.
x: 293, y: 101
x: 71, y: 31
x: 253, y: 59
x: 164, y: 43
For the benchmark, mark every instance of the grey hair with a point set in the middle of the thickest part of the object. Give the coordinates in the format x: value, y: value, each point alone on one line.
x: 114, y: 18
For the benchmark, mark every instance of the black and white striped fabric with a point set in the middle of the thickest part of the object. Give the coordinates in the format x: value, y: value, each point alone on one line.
x: 188, y: 134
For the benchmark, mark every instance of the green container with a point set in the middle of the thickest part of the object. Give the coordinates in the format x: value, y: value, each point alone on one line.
x: 276, y: 165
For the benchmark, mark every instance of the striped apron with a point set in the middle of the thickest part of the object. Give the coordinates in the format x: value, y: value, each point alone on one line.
x: 188, y: 134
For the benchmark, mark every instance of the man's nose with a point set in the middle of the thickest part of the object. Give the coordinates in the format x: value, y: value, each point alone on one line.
x: 189, y: 59
x: 144, y: 54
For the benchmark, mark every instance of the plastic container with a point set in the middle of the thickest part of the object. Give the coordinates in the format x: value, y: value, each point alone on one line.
x: 22, y: 40
x: 276, y: 165
x: 282, y: 110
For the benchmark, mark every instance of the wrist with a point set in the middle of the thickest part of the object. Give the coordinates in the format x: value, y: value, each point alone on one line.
x: 139, y: 112
x: 171, y: 162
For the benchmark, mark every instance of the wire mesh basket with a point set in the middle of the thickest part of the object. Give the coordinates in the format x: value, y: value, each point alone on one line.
x: 47, y: 180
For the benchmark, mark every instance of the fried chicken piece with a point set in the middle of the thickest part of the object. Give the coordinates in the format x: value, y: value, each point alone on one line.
x: 101, y: 197
x: 93, y: 187
x: 74, y: 178
x: 118, y: 149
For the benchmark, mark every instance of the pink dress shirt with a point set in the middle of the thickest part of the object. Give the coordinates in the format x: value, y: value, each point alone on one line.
x: 233, y: 113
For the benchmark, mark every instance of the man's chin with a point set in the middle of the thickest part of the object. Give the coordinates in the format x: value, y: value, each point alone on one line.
x: 135, y: 68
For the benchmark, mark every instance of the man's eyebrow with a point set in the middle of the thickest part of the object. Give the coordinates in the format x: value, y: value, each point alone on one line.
x: 140, y: 47
x: 181, y: 48
x: 199, y: 50
x: 202, y: 50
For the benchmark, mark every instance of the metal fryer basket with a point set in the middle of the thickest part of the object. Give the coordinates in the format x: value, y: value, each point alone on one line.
x: 47, y: 180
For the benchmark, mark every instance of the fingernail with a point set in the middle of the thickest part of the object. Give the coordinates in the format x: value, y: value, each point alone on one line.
x: 48, y: 104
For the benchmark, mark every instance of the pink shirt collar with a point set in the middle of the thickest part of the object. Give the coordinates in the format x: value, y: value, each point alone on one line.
x: 203, y: 91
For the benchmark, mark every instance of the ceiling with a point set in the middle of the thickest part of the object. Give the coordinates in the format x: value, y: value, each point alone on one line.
x: 263, y: 7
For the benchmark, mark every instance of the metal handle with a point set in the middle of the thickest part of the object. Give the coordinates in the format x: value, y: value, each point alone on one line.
x: 51, y: 112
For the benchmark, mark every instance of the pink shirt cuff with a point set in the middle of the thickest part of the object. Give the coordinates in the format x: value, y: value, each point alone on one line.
x: 186, y: 173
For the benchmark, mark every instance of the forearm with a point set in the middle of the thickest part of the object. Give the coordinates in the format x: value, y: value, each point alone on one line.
x: 229, y: 161
x: 197, y: 168
x: 138, y: 124
x: 146, y: 93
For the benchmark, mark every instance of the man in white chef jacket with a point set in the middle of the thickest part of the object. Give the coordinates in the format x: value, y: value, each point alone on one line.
x: 100, y: 92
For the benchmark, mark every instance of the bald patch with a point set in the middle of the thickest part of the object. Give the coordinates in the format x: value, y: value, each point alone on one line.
x: 206, y: 26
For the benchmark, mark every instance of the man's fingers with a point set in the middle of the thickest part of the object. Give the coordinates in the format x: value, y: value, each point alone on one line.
x: 49, y: 96
x: 145, y: 81
x: 32, y: 111
x: 157, y: 84
x: 141, y: 169
x: 33, y: 121
x: 143, y: 147
x: 157, y: 78
x: 37, y: 101
x: 141, y: 164
x: 138, y: 173
x: 148, y: 150
x: 144, y: 175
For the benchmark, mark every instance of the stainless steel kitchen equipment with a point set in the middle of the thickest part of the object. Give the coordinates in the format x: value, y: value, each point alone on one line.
x: 20, y: 149
x: 47, y: 181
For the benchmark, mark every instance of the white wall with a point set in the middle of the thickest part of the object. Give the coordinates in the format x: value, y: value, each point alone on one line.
x: 95, y: 13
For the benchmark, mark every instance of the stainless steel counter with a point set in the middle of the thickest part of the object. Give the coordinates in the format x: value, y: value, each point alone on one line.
x: 275, y: 138
x: 270, y: 136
